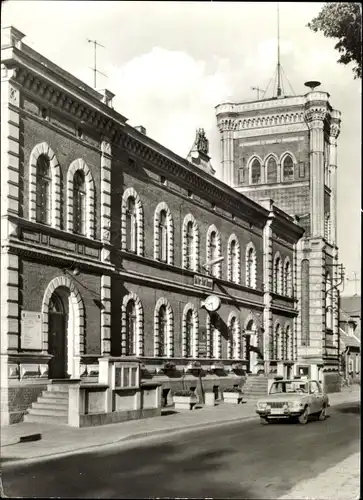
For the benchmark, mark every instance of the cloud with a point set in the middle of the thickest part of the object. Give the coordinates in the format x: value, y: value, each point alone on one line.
x: 170, y: 93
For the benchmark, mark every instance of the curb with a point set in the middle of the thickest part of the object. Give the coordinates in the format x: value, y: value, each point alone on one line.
x: 143, y: 435
x: 131, y: 437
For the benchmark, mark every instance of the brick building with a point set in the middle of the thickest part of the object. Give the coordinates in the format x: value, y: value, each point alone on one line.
x: 107, y: 247
x: 285, y: 148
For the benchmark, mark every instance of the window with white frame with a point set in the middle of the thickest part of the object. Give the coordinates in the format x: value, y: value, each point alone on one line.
x: 190, y: 243
x: 234, y: 340
x: 43, y: 190
x: 256, y: 172
x: 271, y: 170
x: 288, y: 168
x: 214, y: 250
x: 214, y: 336
x: 163, y: 234
x: 79, y: 203
x: 131, y: 320
x: 277, y: 343
x: 277, y: 278
x: 251, y: 266
x: 190, y: 331
x: 287, y: 281
x: 132, y: 222
x: 163, y: 329
x: 285, y: 344
x: 131, y: 225
x: 80, y: 199
x: 234, y: 259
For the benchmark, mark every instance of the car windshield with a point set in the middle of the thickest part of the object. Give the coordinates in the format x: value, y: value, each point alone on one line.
x: 288, y: 387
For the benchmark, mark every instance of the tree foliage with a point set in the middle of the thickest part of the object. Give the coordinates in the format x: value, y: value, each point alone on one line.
x: 344, y: 21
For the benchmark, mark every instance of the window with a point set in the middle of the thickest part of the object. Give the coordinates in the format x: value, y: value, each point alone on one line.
x: 234, y: 265
x: 251, y: 267
x: 285, y: 344
x: 301, y: 169
x: 255, y: 172
x: 131, y: 328
x: 189, y: 245
x: 43, y: 190
x: 79, y: 203
x: 241, y: 175
x: 131, y: 225
x: 271, y: 170
x: 163, y: 236
x: 287, y: 287
x: 214, y: 344
x: 277, y: 343
x: 163, y: 323
x: 213, y: 250
x: 277, y: 275
x: 234, y: 268
x: 233, y: 346
x: 288, y: 168
x: 80, y: 199
x: 327, y: 227
x: 189, y: 334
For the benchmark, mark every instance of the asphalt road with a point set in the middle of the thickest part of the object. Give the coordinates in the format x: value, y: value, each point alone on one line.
x: 244, y: 461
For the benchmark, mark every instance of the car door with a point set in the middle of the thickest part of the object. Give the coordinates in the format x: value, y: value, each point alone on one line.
x: 317, y: 398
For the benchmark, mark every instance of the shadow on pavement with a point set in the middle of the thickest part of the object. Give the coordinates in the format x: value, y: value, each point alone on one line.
x: 131, y: 473
x: 349, y: 409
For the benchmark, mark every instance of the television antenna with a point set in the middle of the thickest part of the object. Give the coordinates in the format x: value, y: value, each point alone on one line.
x: 94, y: 69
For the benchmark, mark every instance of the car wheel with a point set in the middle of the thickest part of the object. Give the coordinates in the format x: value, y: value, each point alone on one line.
x: 264, y: 421
x: 322, y: 414
x: 303, y: 419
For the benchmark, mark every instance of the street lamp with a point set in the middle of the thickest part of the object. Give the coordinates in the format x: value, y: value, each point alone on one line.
x: 211, y: 263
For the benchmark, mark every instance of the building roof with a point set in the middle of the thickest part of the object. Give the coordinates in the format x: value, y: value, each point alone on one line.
x: 348, y: 340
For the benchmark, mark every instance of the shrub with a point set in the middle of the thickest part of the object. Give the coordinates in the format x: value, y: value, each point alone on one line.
x: 186, y: 392
x: 232, y: 389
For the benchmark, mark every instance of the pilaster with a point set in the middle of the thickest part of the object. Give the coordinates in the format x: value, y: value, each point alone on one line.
x: 334, y: 134
x: 267, y: 279
x: 106, y: 159
x: 226, y: 130
x: 106, y: 315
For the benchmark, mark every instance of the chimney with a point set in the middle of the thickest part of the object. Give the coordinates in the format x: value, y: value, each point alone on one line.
x: 107, y: 97
x: 141, y: 129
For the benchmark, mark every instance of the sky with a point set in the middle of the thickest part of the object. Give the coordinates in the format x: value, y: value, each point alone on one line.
x: 170, y: 63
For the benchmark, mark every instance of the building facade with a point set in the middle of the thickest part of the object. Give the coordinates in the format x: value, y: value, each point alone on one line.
x: 285, y: 149
x: 108, y: 248
x: 350, y: 338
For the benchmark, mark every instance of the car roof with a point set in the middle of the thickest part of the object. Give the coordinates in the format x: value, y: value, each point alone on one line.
x: 304, y: 380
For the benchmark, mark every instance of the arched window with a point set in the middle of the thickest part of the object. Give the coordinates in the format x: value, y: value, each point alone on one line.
x: 43, y: 190
x: 234, y: 259
x: 286, y: 347
x: 255, y: 172
x: 233, y: 339
x: 214, y: 250
x: 163, y: 236
x: 163, y: 334
x: 288, y: 168
x: 189, y: 334
x: 215, y: 344
x: 131, y: 225
x: 277, y: 275
x: 251, y: 267
x: 131, y: 328
x: 79, y: 203
x: 277, y: 343
x: 271, y: 170
x: 287, y: 279
x: 189, y: 245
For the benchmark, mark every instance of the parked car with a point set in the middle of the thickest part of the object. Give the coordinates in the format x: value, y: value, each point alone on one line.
x: 295, y: 398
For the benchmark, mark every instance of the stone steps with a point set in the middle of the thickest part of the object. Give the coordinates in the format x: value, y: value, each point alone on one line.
x: 51, y: 406
x: 255, y: 388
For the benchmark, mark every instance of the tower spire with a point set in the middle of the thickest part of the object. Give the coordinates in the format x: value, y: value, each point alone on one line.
x: 278, y: 53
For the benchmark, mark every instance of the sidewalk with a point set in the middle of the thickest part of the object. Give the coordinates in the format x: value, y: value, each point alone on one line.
x: 341, y: 482
x: 61, y: 439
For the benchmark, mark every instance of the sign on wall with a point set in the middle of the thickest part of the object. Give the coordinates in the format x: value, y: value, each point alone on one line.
x: 203, y: 282
x: 31, y: 330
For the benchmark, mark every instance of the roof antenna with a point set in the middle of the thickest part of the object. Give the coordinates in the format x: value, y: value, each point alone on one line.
x: 94, y: 69
x: 278, y: 53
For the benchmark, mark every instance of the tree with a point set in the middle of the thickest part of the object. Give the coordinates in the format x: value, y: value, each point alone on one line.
x: 343, y: 21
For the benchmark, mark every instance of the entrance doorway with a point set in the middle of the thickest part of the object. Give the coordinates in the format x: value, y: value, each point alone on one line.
x: 57, y: 333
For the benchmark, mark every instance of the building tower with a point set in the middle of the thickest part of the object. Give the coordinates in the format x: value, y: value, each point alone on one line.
x: 285, y: 149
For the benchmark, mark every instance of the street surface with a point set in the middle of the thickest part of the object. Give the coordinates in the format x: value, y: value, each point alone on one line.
x: 244, y: 461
